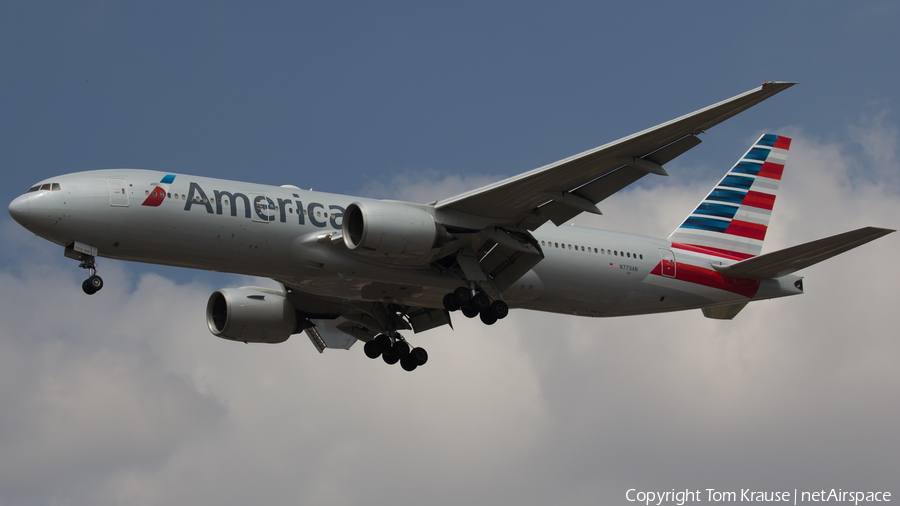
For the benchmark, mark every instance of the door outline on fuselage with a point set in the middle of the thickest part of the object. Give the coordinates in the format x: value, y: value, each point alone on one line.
x: 667, y: 262
x: 118, y: 193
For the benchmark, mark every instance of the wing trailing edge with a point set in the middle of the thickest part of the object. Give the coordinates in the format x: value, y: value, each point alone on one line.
x: 784, y: 262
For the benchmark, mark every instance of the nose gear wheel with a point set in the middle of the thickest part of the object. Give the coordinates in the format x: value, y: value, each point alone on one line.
x: 93, y: 283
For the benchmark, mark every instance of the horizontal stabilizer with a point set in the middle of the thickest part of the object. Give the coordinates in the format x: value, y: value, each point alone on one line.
x: 783, y: 262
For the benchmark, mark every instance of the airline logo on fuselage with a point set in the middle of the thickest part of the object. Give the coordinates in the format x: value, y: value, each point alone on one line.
x: 262, y: 208
x: 157, y: 195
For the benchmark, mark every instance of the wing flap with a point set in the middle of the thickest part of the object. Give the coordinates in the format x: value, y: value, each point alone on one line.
x: 783, y: 262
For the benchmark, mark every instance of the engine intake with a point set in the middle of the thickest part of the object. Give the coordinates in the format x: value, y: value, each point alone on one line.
x: 252, y: 315
x: 390, y: 229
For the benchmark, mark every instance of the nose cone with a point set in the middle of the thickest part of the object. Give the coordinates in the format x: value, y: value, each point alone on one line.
x: 18, y: 209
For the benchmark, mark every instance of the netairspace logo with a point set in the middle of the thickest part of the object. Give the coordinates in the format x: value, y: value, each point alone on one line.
x: 711, y: 495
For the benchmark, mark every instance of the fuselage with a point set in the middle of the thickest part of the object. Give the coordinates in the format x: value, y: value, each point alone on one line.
x: 284, y: 233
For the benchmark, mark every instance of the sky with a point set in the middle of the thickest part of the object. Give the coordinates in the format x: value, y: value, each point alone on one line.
x: 125, y: 397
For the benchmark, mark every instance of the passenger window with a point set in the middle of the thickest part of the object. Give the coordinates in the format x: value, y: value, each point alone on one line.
x: 595, y: 250
x: 169, y: 195
x: 556, y: 245
x: 629, y: 255
x: 642, y: 256
x: 615, y: 253
x: 55, y: 187
x: 542, y: 243
x: 582, y: 248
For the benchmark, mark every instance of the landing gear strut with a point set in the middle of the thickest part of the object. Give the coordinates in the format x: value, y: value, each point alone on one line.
x: 93, y: 283
x: 474, y: 302
x: 393, y: 349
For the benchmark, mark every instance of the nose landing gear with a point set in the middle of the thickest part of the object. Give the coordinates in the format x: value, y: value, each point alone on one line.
x: 93, y: 283
x: 86, y: 254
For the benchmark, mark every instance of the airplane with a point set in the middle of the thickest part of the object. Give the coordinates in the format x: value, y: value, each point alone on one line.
x: 358, y: 269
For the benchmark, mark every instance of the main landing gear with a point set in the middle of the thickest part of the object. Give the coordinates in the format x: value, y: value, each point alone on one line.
x: 474, y: 303
x: 396, y: 349
x: 93, y: 283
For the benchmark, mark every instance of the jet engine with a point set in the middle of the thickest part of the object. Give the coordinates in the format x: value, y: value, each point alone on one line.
x: 252, y: 315
x: 390, y: 229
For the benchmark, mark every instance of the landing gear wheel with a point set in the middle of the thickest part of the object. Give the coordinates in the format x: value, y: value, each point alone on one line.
x: 408, y: 363
x: 390, y: 358
x: 499, y: 309
x: 463, y: 295
x: 383, y: 343
x: 480, y: 302
x: 488, y: 318
x: 400, y: 349
x: 92, y: 284
x: 450, y: 302
x: 469, y: 312
x: 419, y: 355
x: 372, y: 349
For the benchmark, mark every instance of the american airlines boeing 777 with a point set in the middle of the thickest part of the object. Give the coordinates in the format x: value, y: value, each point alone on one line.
x: 363, y: 269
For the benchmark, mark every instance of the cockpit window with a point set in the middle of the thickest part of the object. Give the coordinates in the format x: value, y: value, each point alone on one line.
x: 46, y: 187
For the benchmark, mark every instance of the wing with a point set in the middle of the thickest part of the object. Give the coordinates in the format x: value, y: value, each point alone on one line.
x: 562, y: 190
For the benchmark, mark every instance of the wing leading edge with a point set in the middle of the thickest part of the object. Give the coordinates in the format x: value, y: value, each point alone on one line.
x: 561, y: 190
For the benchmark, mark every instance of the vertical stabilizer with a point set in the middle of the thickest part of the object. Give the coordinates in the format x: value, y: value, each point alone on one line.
x: 732, y: 220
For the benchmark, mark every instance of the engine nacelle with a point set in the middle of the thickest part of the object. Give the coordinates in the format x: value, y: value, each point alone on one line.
x: 252, y: 315
x: 389, y: 229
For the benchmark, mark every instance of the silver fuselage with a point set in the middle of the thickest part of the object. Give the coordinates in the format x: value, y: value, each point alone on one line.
x: 283, y: 234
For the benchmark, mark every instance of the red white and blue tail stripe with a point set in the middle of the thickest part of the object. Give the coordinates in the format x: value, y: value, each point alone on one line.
x: 732, y: 220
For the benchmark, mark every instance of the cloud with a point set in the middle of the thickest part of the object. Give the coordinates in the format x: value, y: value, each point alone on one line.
x: 425, y: 186
x: 125, y: 398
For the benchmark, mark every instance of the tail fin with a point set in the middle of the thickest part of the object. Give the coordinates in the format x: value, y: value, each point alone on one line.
x: 732, y: 220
